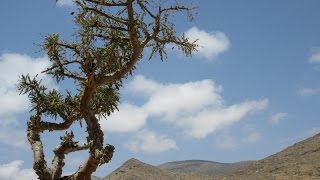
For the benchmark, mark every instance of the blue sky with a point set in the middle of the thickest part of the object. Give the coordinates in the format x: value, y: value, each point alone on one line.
x: 252, y: 89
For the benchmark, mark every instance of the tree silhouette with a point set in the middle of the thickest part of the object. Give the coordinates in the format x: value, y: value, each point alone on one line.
x: 110, y: 38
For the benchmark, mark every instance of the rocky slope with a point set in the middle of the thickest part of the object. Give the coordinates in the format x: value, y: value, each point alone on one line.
x: 300, y: 161
x: 203, y: 167
x: 95, y: 178
x: 137, y: 170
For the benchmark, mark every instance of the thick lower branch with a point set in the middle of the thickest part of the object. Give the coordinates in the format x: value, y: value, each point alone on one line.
x: 98, y: 154
x: 94, y: 160
x: 66, y: 146
x: 40, y: 164
x: 95, y: 134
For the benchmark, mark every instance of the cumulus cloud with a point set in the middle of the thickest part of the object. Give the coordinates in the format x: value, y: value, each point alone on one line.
x: 11, y: 103
x: 210, y: 120
x: 171, y: 101
x: 150, y: 142
x: 226, y: 142
x: 251, y: 134
x: 315, y: 56
x: 211, y: 44
x: 129, y: 118
x: 13, y: 171
x: 13, y: 137
x: 73, y: 160
x: 196, y: 108
x: 308, y: 91
x: 11, y: 66
x: 276, y: 118
x: 68, y: 3
x: 252, y: 137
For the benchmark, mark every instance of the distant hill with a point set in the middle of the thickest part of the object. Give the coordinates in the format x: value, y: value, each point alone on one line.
x: 203, y: 167
x: 136, y: 170
x: 299, y: 161
x: 95, y: 178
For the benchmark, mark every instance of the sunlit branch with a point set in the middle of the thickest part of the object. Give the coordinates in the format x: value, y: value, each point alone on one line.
x: 102, y: 2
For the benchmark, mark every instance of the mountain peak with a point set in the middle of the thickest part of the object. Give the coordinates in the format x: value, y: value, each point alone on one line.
x: 132, y: 161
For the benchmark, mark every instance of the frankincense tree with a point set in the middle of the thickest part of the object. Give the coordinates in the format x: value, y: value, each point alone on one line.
x: 110, y: 39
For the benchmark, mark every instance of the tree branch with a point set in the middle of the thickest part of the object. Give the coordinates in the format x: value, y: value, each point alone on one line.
x: 62, y: 64
x: 113, y: 27
x: 54, y: 126
x: 73, y: 75
x: 137, y: 50
x: 174, y: 8
x: 110, y: 37
x: 102, y: 2
x: 116, y: 19
x: 39, y: 164
x: 66, y: 146
x: 100, y: 157
x: 69, y: 46
x: 132, y: 26
x: 144, y: 8
x: 156, y: 30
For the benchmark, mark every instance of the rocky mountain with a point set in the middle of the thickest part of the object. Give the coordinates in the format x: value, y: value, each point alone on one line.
x: 203, y: 167
x: 95, y: 178
x: 299, y: 161
x: 134, y: 169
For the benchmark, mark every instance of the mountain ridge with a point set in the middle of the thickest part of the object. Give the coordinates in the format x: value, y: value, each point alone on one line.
x: 298, y: 161
x: 203, y: 166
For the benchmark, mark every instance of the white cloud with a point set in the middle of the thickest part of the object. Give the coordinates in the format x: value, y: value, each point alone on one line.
x: 315, y: 56
x: 308, y: 91
x: 13, y: 171
x: 226, y: 142
x: 11, y: 103
x: 13, y: 137
x: 276, y: 118
x: 251, y: 134
x: 171, y: 101
x: 11, y: 66
x: 210, y: 120
x: 73, y: 161
x: 129, y: 118
x: 252, y: 137
x: 197, y: 108
x: 68, y: 3
x: 150, y: 142
x: 211, y: 44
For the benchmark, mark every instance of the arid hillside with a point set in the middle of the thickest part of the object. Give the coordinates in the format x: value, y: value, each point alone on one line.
x: 203, y: 167
x: 299, y: 161
x: 136, y: 170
